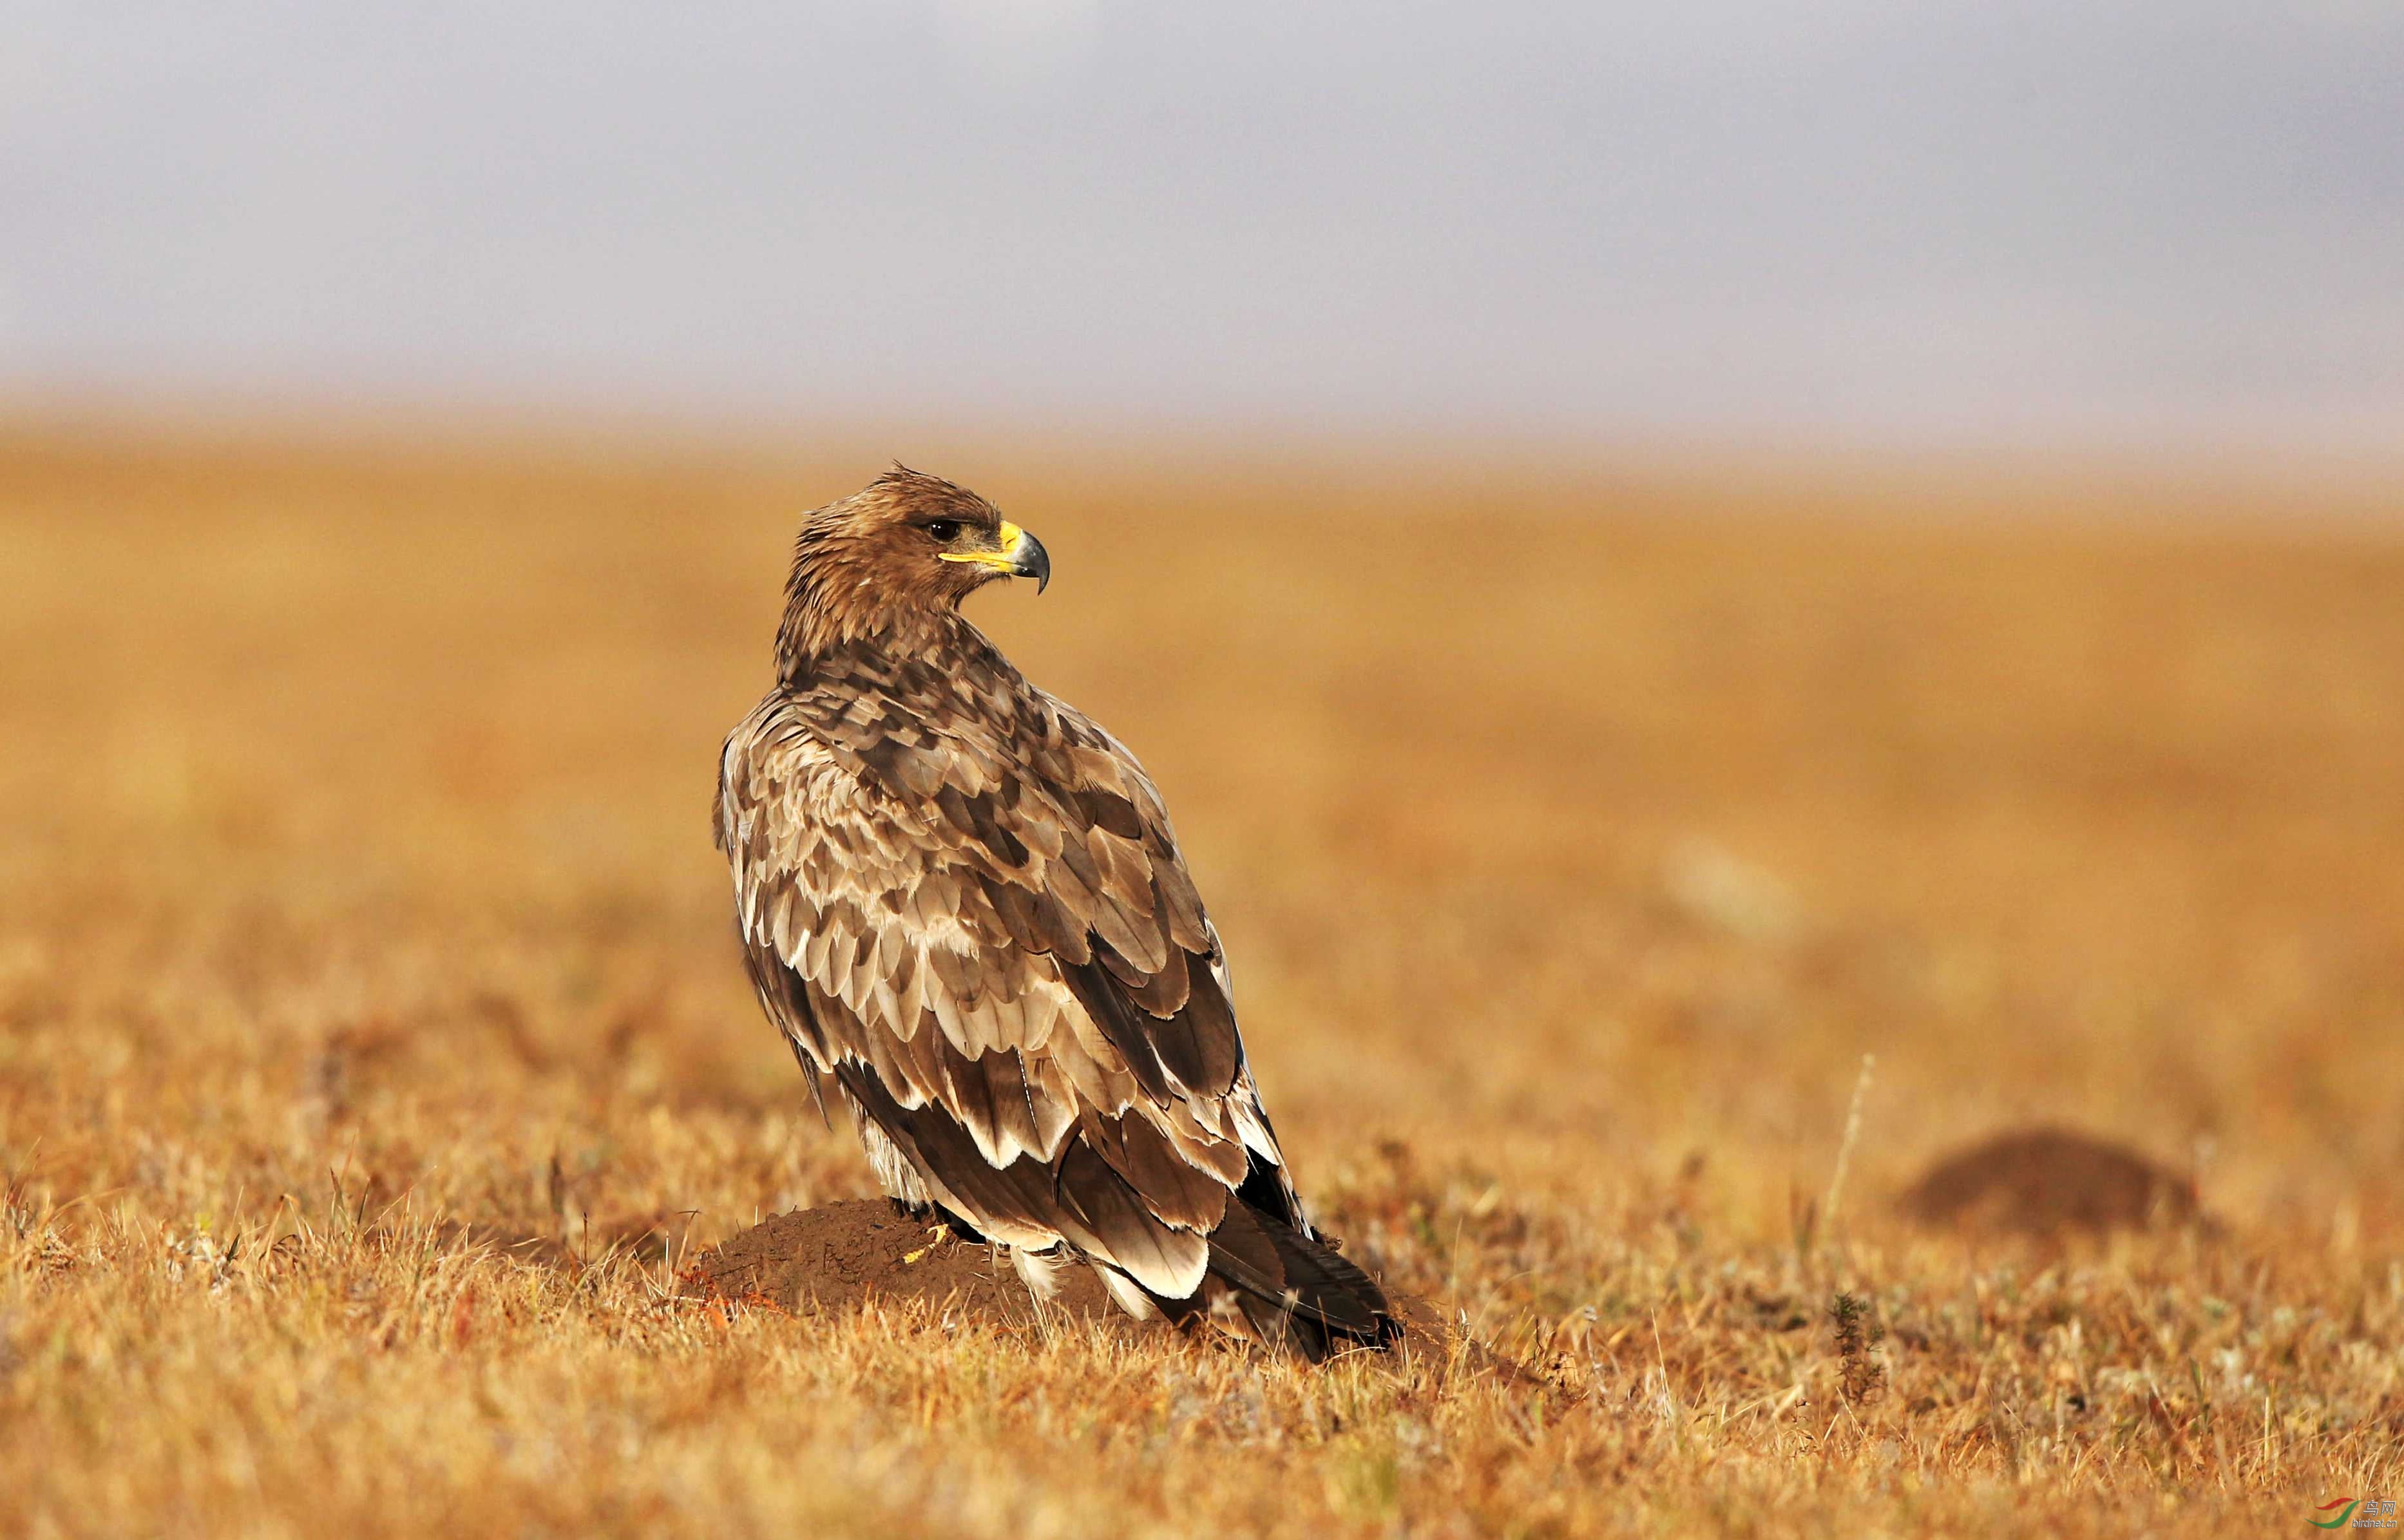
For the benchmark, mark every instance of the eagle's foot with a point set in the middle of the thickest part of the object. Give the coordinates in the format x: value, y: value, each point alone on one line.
x: 937, y: 1234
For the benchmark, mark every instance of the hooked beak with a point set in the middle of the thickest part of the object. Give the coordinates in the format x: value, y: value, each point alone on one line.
x: 1028, y: 559
x: 1020, y: 556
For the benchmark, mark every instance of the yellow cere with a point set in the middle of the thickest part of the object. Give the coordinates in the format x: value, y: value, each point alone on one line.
x: 1008, y: 535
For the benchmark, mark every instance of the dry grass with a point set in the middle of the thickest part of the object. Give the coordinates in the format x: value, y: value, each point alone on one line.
x: 372, y: 1036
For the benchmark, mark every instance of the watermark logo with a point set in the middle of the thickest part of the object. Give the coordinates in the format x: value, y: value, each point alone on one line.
x: 2360, y: 1513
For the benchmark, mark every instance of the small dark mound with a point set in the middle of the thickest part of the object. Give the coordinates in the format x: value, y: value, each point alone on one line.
x: 2050, y: 1182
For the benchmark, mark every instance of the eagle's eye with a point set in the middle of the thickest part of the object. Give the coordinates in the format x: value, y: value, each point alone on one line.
x: 943, y: 531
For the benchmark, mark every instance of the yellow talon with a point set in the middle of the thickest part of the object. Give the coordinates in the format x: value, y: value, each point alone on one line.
x: 937, y: 1234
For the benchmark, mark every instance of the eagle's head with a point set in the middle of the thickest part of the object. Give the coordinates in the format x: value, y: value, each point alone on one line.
x: 902, y: 550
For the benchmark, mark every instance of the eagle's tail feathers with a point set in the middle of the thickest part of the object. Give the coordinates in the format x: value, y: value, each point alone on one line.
x: 1295, y: 1291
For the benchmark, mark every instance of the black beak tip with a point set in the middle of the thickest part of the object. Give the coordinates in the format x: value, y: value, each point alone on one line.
x: 1033, y: 562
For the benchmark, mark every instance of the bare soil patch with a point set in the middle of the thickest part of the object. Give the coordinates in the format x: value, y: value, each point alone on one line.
x: 843, y: 1255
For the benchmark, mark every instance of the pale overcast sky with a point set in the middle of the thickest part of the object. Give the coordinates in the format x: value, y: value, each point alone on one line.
x: 2156, y: 222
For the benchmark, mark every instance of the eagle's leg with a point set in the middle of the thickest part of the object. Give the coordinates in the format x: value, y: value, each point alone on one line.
x: 903, y: 1188
x: 942, y: 1224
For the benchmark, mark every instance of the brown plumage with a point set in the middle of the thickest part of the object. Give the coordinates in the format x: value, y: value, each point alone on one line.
x: 962, y: 903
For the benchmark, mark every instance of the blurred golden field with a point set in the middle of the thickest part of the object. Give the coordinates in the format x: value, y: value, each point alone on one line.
x: 374, y: 1048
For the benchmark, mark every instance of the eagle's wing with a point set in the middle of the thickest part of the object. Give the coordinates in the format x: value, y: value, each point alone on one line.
x: 985, y: 936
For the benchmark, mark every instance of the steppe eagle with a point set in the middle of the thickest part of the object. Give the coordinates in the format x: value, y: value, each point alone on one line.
x: 960, y: 901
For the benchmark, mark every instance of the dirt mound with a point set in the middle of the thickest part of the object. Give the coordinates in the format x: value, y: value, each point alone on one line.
x: 2050, y: 1182
x: 840, y: 1256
